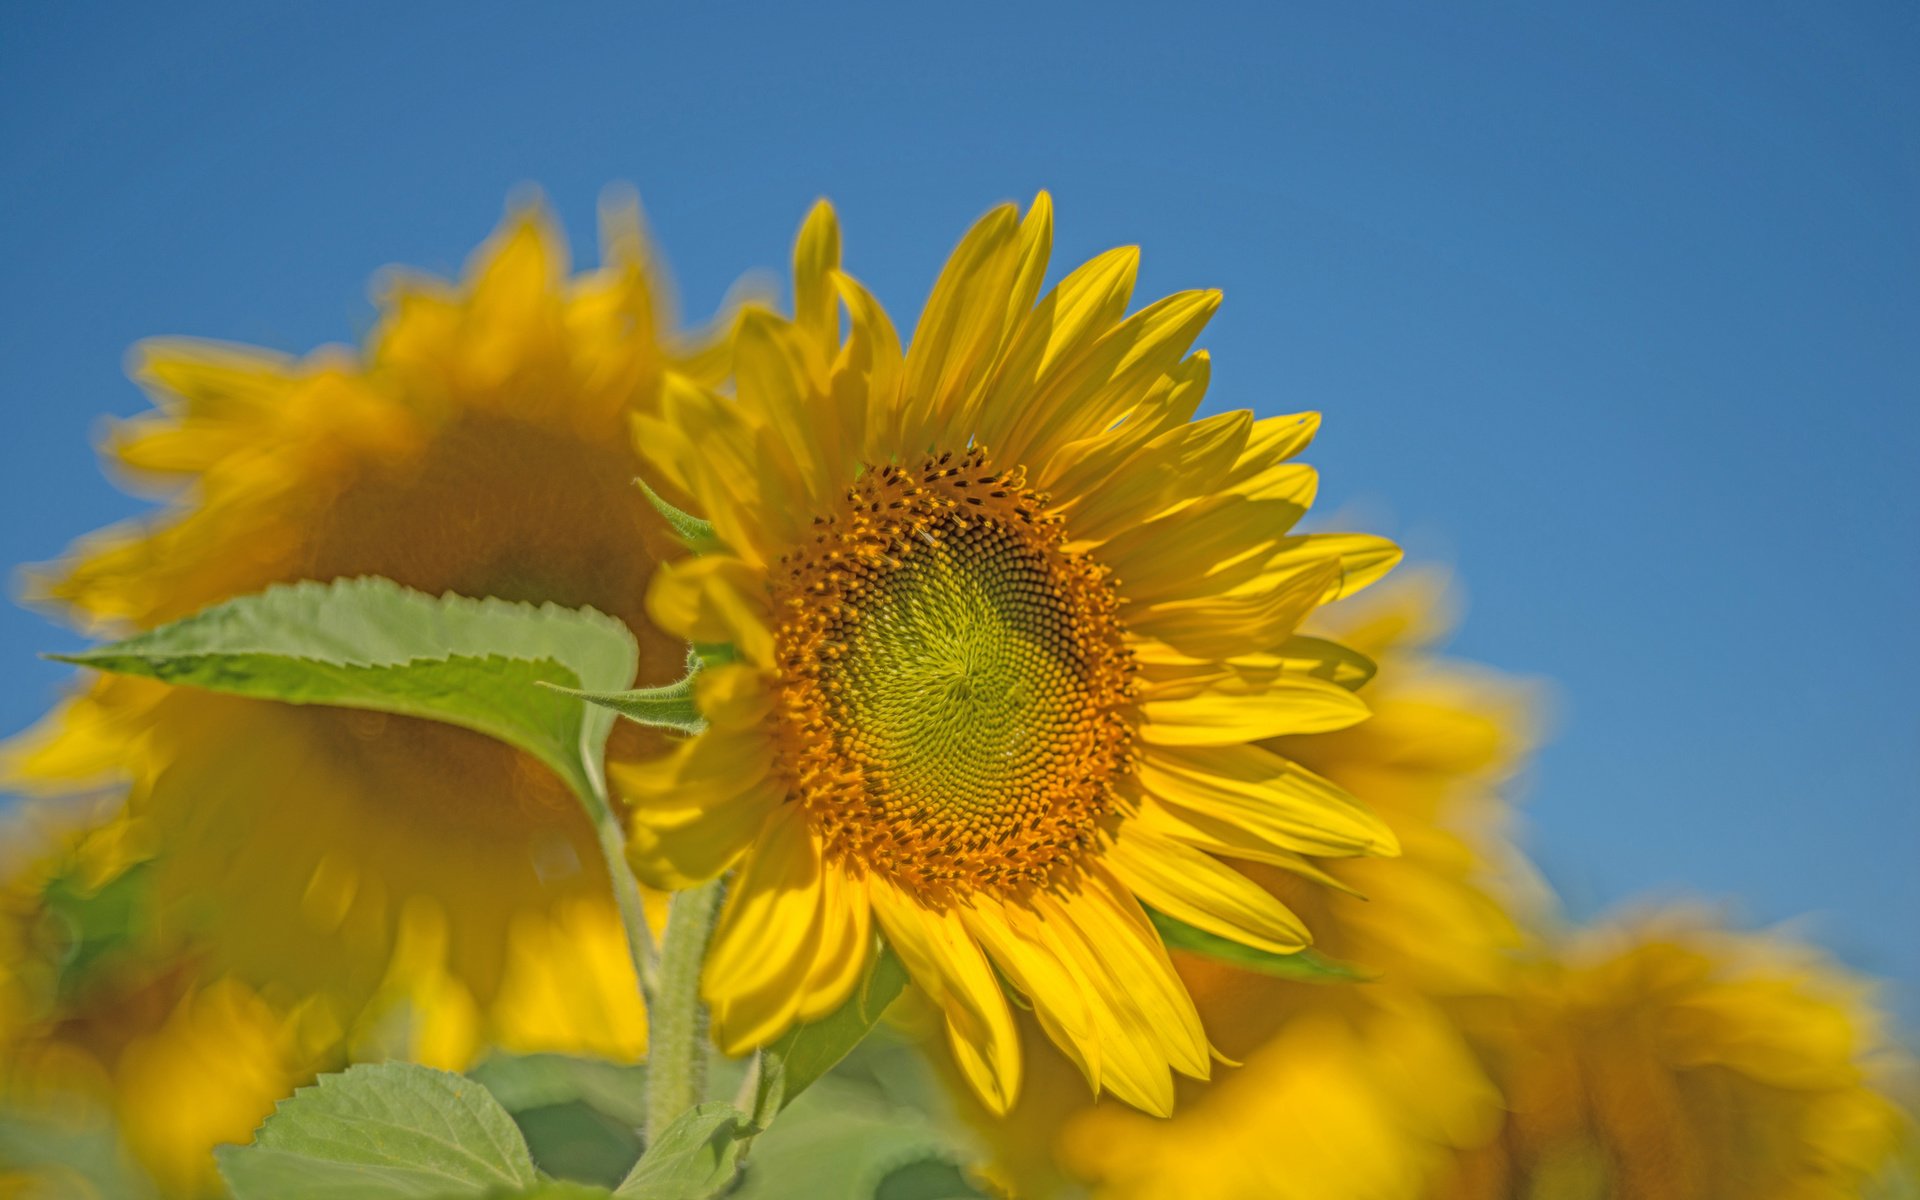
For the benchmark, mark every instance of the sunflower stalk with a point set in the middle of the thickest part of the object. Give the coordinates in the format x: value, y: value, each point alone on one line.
x: 626, y: 895
x: 677, y: 1034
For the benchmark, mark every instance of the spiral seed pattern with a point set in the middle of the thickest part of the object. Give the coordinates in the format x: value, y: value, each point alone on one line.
x: 955, y: 684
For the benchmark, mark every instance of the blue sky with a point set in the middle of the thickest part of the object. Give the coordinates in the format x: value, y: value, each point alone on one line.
x: 1618, y: 312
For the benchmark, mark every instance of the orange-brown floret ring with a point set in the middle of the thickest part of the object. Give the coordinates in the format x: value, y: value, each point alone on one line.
x: 954, y: 685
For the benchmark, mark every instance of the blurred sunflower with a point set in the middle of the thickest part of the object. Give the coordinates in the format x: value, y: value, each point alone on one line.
x: 115, y: 1032
x: 1359, y: 1090
x: 1666, y: 1057
x: 479, y: 443
x: 1006, y: 623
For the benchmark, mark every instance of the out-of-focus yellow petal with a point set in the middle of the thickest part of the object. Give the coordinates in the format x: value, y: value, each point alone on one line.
x: 569, y: 986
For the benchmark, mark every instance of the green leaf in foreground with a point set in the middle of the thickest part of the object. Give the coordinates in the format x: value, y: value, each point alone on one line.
x: 848, y: 1140
x: 372, y: 644
x: 805, y: 1053
x: 581, y: 1116
x: 695, y: 1157
x: 383, y: 1132
x: 1306, y: 966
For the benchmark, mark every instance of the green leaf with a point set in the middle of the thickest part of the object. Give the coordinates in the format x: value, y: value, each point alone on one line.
x: 385, y: 1132
x: 695, y: 1157
x: 581, y: 1116
x: 1306, y: 966
x: 848, y: 1140
x: 695, y: 534
x: 523, y: 1081
x: 792, y: 1064
x: 926, y: 1179
x: 372, y: 644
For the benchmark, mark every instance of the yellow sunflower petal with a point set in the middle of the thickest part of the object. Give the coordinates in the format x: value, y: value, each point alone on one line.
x: 695, y: 811
x: 1224, y: 838
x: 1228, y: 626
x: 1193, y: 887
x: 1226, y: 712
x: 947, y: 963
x: 771, y: 374
x: 1091, y: 392
x: 846, y: 947
x: 1263, y: 793
x: 742, y: 479
x: 955, y: 343
x: 1178, y: 465
x: 1162, y: 558
x: 1364, y: 558
x: 714, y: 598
x: 1132, y: 1063
x: 769, y: 937
x: 871, y: 367
x: 1276, y: 439
x: 1326, y: 660
x: 816, y: 259
x: 732, y: 696
x: 1065, y: 322
x: 569, y: 985
x: 1082, y: 467
x: 1153, y: 1026
x: 1292, y: 484
x: 1026, y: 945
x: 1034, y: 247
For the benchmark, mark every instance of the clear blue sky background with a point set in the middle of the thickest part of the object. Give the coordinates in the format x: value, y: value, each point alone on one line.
x: 1617, y: 312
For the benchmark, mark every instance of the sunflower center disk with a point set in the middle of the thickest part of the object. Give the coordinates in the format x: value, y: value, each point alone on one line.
x: 955, y: 683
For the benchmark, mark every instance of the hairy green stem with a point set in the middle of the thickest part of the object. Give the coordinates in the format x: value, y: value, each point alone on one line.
x: 626, y: 894
x: 676, y: 1020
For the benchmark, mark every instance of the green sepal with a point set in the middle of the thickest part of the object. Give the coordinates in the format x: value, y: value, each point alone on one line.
x: 695, y: 534
x: 1304, y: 966
x: 669, y: 706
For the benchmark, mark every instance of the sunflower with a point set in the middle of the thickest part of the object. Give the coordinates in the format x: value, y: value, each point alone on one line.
x: 1005, y: 622
x: 1666, y: 1056
x: 113, y: 1027
x: 1366, y: 1104
x: 1360, y: 1090
x: 479, y: 443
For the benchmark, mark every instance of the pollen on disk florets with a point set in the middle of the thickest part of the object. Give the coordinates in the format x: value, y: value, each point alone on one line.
x: 954, y: 682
